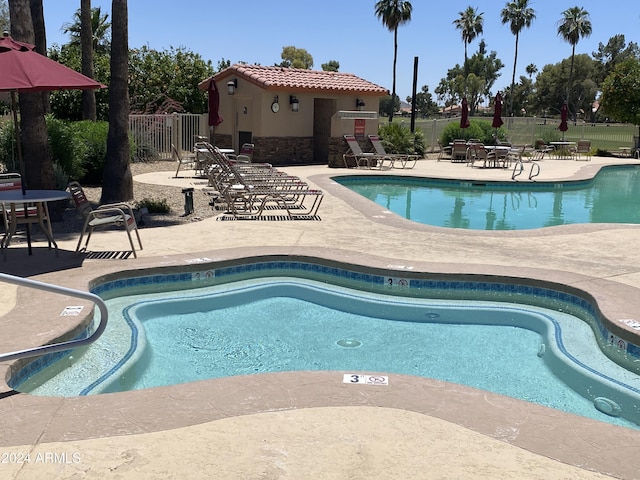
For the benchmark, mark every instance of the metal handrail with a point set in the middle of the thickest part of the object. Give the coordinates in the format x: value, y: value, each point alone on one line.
x: 515, y: 167
x: 531, y: 174
x: 57, y: 347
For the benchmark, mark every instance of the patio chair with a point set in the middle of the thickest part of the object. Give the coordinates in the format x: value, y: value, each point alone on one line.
x: 459, y: 151
x: 245, y: 155
x: 114, y: 214
x: 405, y: 160
x: 582, y: 150
x: 187, y: 160
x: 369, y: 160
x: 23, y: 213
x: 445, y: 150
x: 540, y: 149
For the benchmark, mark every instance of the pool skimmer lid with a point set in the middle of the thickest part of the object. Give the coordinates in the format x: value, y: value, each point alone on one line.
x: 349, y: 343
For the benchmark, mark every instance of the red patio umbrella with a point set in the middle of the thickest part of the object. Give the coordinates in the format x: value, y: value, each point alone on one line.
x: 464, y: 119
x: 497, y: 112
x: 564, y: 114
x: 25, y: 70
x: 215, y: 118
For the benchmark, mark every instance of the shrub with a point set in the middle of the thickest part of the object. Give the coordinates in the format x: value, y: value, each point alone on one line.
x: 154, y: 206
x: 397, y: 138
x: 480, y: 129
x: 64, y: 147
x: 91, y: 140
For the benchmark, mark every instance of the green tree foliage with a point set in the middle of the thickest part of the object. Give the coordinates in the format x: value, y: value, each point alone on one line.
x: 621, y: 92
x: 100, y: 28
x: 167, y: 81
x: 293, y: 57
x: 480, y: 129
x: 550, y: 92
x: 67, y: 104
x: 483, y: 71
x: 518, y: 15
x: 573, y: 25
x: 393, y: 13
x: 331, y: 66
x: 386, y: 104
x: 470, y: 23
x: 425, y: 106
x: 397, y: 138
x: 615, y: 51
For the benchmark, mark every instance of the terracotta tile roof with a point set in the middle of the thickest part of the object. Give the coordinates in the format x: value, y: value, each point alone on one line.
x: 299, y: 80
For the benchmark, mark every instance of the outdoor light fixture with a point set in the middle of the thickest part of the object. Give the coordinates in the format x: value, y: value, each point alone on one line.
x: 295, y: 104
x: 359, y: 104
x: 231, y: 86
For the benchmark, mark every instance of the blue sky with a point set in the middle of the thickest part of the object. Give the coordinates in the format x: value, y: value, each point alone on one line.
x: 348, y: 31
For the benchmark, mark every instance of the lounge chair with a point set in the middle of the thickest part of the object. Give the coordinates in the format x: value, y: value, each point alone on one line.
x: 245, y: 155
x: 405, y: 160
x: 364, y: 159
x: 118, y: 214
x: 180, y: 160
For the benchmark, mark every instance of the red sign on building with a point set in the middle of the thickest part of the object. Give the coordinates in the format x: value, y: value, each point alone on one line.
x: 358, y: 128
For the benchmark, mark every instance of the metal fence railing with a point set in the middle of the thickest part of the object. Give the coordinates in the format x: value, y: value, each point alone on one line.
x: 153, y: 135
x: 526, y: 130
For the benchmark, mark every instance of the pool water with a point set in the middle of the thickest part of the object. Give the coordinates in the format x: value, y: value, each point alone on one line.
x: 611, y: 197
x: 263, y: 326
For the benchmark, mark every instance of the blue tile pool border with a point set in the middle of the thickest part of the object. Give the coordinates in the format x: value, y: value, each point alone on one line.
x: 401, y: 283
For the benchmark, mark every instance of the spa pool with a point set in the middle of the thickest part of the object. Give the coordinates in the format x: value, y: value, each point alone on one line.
x: 546, y: 355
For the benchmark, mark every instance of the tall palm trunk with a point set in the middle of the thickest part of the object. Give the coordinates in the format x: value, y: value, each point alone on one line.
x: 573, y: 53
x: 393, y: 87
x: 86, y: 43
x: 117, y: 185
x: 38, y: 166
x: 513, y: 77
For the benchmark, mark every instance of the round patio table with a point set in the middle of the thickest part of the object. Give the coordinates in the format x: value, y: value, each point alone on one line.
x: 39, y: 198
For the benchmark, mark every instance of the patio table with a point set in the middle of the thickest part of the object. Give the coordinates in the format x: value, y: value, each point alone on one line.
x: 39, y: 198
x: 562, y: 149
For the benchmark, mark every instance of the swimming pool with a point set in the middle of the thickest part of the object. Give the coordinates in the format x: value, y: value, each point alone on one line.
x: 611, y: 197
x: 394, y: 304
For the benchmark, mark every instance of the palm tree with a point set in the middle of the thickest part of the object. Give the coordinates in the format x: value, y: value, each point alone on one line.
x: 531, y: 70
x: 117, y: 184
x: 99, y: 30
x: 518, y: 15
x: 36, y: 154
x: 86, y: 43
x: 393, y: 13
x: 573, y: 25
x: 470, y: 25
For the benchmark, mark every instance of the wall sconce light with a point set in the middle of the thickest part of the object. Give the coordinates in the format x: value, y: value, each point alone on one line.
x: 231, y: 86
x: 359, y: 104
x: 295, y: 104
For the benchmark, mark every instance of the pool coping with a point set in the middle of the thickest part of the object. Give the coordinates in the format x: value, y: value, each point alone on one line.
x: 564, y: 437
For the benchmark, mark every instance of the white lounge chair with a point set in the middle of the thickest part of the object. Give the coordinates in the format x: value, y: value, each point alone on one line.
x: 405, y: 160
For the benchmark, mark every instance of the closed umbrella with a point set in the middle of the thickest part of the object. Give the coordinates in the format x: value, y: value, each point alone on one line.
x: 564, y: 114
x: 464, y: 119
x: 25, y: 70
x: 497, y: 112
x: 215, y: 118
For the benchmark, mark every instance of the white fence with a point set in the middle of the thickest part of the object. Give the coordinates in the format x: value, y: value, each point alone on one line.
x: 153, y: 135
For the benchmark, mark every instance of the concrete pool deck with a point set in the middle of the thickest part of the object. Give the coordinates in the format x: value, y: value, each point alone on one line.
x: 309, y: 424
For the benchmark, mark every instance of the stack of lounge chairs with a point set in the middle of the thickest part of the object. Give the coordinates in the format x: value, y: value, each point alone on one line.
x: 258, y: 190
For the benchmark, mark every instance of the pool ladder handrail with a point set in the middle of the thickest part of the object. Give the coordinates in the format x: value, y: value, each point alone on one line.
x: 57, y: 347
x: 518, y: 168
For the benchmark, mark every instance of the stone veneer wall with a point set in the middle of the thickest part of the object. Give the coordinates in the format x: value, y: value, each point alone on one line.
x: 284, y: 150
x: 338, y: 147
x: 297, y: 150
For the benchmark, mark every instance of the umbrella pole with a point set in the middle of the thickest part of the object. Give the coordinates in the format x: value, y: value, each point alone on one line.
x: 18, y: 140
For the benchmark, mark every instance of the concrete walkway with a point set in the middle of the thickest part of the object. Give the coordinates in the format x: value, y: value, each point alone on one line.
x: 298, y: 426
